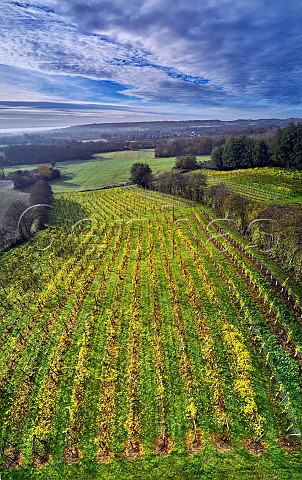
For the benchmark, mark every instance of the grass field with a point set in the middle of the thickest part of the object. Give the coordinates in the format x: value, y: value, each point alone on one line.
x: 104, y: 169
x: 270, y: 185
x: 138, y: 344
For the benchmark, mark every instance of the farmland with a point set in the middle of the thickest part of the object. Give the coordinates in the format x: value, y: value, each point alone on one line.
x: 138, y: 343
x: 267, y: 185
x: 103, y: 169
x: 106, y: 169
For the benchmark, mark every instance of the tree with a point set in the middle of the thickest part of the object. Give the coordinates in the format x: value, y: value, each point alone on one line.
x: 10, y: 220
x: 44, y: 171
x: 261, y: 154
x: 179, y: 183
x: 216, y: 157
x: 40, y: 193
x: 287, y: 147
x: 241, y: 152
x: 248, y: 152
x: 296, y: 154
x: 47, y: 173
x: 22, y: 179
x: 235, y: 207
x: 196, y: 186
x: 187, y: 185
x: 141, y: 174
x: 233, y: 153
x: 206, y: 145
x: 133, y: 146
x: 187, y: 162
x: 218, y: 194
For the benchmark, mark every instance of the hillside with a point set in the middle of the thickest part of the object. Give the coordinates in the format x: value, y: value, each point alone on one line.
x: 138, y: 343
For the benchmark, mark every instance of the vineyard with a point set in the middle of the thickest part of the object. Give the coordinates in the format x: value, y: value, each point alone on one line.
x: 268, y: 184
x: 140, y: 340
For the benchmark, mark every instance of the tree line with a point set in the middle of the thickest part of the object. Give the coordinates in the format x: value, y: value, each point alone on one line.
x: 284, y: 151
x: 25, y: 178
x: 241, y: 152
x: 279, y: 233
x: 56, y: 152
x: 280, y: 148
x: 178, y: 182
x: 186, y: 146
x: 185, y: 185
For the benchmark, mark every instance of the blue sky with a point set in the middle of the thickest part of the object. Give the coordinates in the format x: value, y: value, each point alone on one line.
x: 68, y: 62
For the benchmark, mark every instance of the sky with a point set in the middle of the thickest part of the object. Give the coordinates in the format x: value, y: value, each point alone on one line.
x: 69, y: 62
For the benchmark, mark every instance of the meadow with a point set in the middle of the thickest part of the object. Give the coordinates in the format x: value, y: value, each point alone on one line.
x: 103, y: 169
x: 269, y: 185
x: 140, y: 341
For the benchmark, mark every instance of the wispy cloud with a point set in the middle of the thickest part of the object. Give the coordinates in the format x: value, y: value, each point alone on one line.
x: 54, y: 114
x: 227, y: 54
x: 245, y: 47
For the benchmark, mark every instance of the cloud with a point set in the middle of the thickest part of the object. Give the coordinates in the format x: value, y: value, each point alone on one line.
x: 39, y: 40
x: 249, y: 49
x: 47, y: 113
x: 211, y: 54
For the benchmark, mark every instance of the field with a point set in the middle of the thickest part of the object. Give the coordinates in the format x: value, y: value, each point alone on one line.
x: 104, y: 169
x: 268, y: 185
x: 138, y: 343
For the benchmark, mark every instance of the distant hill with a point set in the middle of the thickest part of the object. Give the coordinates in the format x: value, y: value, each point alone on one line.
x: 158, y: 130
x: 168, y: 129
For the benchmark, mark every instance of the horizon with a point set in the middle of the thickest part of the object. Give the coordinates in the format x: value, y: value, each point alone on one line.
x: 65, y: 64
x: 34, y: 129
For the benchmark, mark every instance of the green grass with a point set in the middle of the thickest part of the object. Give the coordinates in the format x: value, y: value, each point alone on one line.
x: 103, y: 169
x: 108, y: 169
x: 211, y: 466
x: 269, y: 185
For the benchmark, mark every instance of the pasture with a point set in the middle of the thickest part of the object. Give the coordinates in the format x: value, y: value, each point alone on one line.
x: 103, y: 169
